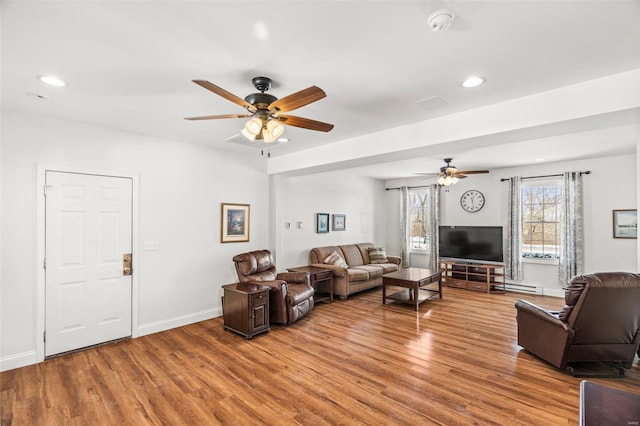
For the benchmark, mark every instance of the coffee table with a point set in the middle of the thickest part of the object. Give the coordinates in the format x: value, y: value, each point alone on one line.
x: 415, y: 281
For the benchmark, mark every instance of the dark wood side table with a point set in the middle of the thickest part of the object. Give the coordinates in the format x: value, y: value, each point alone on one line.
x: 245, y: 308
x: 319, y: 277
x: 602, y: 405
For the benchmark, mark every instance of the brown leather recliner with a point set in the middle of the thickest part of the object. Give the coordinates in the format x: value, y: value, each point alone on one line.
x: 291, y: 294
x: 600, y: 321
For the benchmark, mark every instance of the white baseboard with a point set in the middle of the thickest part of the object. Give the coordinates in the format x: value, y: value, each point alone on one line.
x: 553, y: 292
x: 18, y: 360
x: 183, y: 320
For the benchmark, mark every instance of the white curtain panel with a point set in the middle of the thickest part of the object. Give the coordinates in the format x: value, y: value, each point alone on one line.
x: 513, y: 267
x: 571, y: 228
x: 404, y: 226
x: 433, y: 208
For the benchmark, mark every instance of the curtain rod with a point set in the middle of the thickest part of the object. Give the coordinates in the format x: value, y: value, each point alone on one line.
x: 545, y: 176
x: 408, y: 187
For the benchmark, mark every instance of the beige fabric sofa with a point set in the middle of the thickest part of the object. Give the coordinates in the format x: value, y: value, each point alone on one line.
x: 361, y: 273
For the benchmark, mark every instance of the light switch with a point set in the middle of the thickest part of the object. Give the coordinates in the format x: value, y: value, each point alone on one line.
x: 299, y: 224
x: 151, y: 246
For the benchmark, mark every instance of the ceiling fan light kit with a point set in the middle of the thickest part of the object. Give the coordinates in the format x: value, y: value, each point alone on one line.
x: 450, y: 175
x: 266, y: 122
x: 253, y: 126
x: 447, y: 180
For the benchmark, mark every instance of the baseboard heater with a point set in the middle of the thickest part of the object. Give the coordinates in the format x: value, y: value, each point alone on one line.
x: 523, y: 288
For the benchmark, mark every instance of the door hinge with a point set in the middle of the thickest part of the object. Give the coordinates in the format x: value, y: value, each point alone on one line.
x: 44, y: 263
x: 44, y: 337
x: 46, y: 188
x: 126, y: 264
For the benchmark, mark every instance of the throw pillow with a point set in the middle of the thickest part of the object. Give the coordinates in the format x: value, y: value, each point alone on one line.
x: 377, y: 255
x: 335, y: 259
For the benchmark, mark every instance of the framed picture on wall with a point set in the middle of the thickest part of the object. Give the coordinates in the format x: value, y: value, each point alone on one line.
x: 322, y: 223
x: 339, y: 222
x: 234, y: 223
x: 625, y: 223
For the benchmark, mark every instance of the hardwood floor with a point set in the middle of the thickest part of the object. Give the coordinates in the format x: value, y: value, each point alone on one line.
x: 455, y: 361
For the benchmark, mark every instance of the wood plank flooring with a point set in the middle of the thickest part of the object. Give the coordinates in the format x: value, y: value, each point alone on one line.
x: 455, y: 361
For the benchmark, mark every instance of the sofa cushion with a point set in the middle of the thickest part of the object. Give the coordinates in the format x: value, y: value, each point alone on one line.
x: 318, y: 254
x: 374, y: 271
x: 364, y: 251
x: 377, y: 255
x: 357, y: 274
x: 335, y: 259
x: 352, y: 255
x: 388, y: 267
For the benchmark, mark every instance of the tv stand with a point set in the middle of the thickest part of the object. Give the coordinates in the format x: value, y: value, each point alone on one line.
x: 473, y: 276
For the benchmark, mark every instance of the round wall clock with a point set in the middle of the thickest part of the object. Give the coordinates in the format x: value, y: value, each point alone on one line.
x: 472, y: 200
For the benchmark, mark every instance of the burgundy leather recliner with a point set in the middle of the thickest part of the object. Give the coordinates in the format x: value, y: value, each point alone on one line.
x: 291, y: 294
x: 600, y: 321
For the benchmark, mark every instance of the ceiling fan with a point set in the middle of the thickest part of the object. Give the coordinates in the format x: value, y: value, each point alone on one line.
x: 449, y: 174
x: 265, y: 111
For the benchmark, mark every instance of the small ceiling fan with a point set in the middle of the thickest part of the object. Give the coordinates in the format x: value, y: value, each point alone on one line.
x: 265, y: 111
x: 449, y: 174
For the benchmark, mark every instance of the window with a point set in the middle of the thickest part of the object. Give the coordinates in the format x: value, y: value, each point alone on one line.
x: 419, y: 224
x: 541, y: 219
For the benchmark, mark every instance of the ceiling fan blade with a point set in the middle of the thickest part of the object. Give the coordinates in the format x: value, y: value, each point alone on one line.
x: 471, y: 172
x: 215, y: 117
x: 304, y: 123
x: 427, y: 174
x: 227, y: 95
x: 297, y: 100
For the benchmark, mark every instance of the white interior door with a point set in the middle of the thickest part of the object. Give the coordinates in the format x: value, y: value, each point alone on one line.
x: 88, y: 229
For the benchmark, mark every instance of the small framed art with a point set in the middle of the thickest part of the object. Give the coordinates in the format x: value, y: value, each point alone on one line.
x: 339, y: 222
x: 625, y: 223
x: 234, y: 223
x: 322, y: 223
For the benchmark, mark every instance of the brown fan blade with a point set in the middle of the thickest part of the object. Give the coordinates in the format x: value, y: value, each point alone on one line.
x: 471, y: 172
x: 215, y: 117
x: 227, y: 95
x: 297, y: 100
x: 305, y: 123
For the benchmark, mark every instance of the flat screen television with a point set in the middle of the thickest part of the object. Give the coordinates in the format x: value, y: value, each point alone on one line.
x: 471, y: 243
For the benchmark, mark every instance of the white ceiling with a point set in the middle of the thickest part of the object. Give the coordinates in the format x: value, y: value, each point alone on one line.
x: 129, y: 65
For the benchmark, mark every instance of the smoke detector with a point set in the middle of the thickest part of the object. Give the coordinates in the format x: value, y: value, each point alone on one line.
x: 441, y: 19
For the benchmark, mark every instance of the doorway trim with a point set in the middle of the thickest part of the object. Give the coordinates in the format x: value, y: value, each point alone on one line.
x: 40, y: 304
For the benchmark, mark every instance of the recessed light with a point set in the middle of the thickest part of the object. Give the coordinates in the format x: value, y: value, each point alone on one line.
x: 539, y: 160
x: 52, y: 80
x: 283, y: 140
x: 473, y: 82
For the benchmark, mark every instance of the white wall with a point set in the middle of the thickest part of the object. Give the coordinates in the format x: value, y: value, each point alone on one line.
x: 181, y: 187
x: 300, y: 198
x: 602, y: 251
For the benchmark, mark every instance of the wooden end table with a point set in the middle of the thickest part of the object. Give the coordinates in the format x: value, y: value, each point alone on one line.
x: 318, y: 275
x: 415, y: 281
x: 602, y: 405
x: 245, y: 308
